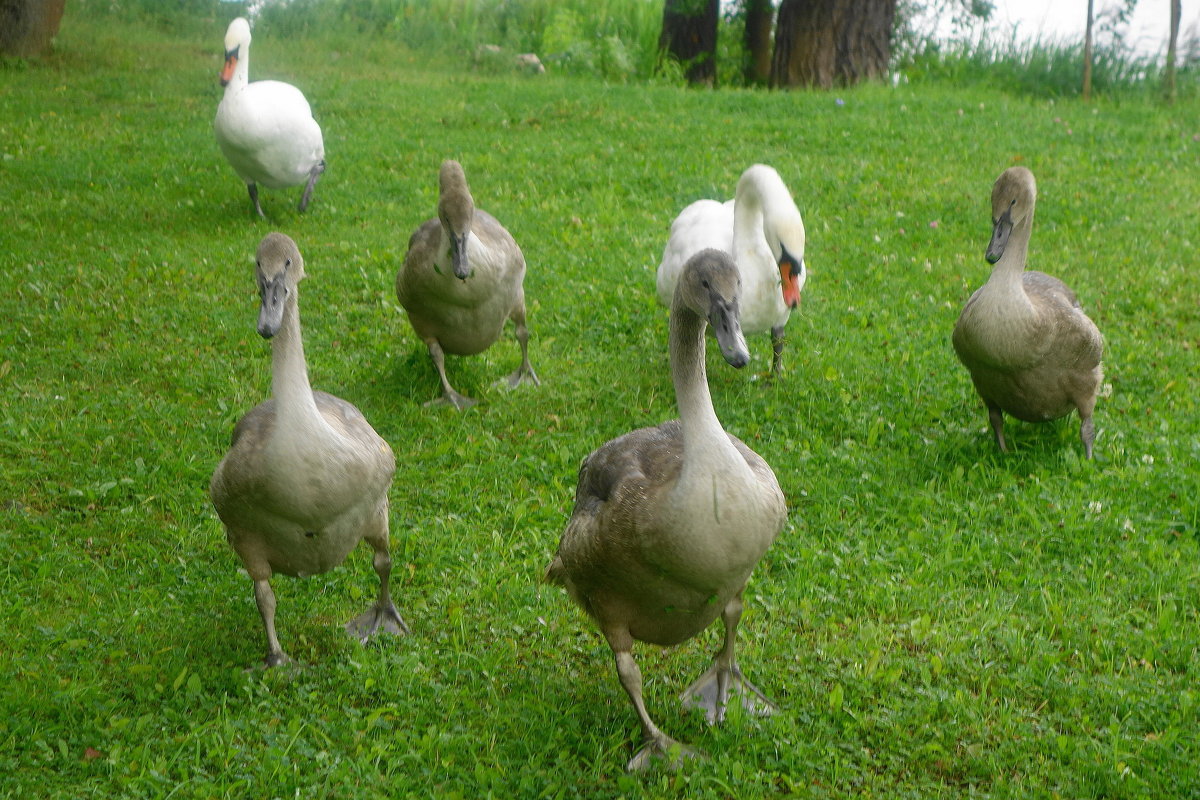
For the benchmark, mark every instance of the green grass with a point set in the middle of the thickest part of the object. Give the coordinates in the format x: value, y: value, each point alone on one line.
x: 938, y: 619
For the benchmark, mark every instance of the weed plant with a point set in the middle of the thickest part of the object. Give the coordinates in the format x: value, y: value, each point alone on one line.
x: 617, y: 40
x: 937, y: 620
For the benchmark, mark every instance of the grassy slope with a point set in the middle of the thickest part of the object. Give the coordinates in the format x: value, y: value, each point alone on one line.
x: 937, y: 619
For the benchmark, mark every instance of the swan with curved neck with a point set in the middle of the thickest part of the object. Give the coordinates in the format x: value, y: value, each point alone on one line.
x: 306, y: 477
x: 1030, y: 348
x: 265, y: 129
x: 763, y: 230
x: 670, y: 521
x: 461, y: 280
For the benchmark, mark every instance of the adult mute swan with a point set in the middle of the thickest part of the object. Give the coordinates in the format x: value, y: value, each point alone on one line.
x: 306, y: 477
x: 763, y: 231
x: 461, y: 279
x: 670, y: 521
x: 1030, y: 348
x: 265, y: 129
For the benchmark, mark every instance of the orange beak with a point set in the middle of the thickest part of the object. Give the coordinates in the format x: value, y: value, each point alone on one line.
x: 230, y: 65
x: 790, y: 274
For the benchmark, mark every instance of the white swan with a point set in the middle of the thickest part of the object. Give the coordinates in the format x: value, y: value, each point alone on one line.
x: 306, y: 477
x: 461, y: 280
x: 265, y: 129
x: 1030, y: 348
x: 763, y: 231
x: 670, y: 521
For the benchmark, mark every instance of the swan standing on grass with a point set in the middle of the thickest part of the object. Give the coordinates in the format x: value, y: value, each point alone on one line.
x: 670, y: 521
x: 306, y: 477
x: 461, y: 280
x: 265, y: 129
x: 1030, y: 348
x: 763, y: 231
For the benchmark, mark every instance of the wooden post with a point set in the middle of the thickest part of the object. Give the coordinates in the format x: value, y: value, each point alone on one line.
x: 1169, y: 75
x: 1087, y: 56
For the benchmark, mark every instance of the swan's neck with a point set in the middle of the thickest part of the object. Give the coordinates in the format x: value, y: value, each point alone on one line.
x: 748, y: 220
x: 1006, y: 282
x: 295, y: 408
x: 241, y: 72
x: 705, y: 442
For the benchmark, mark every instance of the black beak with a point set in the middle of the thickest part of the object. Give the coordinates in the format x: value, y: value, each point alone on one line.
x: 726, y: 322
x: 1000, y: 233
x: 270, y: 312
x: 458, y: 252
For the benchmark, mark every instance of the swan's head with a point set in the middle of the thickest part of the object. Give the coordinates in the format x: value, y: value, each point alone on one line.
x: 1013, y: 199
x: 456, y: 210
x: 710, y: 286
x: 237, y: 42
x: 762, y: 191
x: 278, y: 267
x: 789, y: 235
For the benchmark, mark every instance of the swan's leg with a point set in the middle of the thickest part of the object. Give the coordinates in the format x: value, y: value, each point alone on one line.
x: 449, y: 396
x: 711, y: 690
x: 655, y: 743
x: 264, y: 597
x: 525, y: 371
x: 996, y: 418
x: 382, y: 616
x: 1087, y: 430
x: 777, y: 350
x: 252, y: 188
x: 312, y: 181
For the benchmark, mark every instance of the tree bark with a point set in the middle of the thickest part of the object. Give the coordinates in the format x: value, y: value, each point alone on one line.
x: 1087, y: 54
x: 826, y: 43
x: 760, y: 16
x: 1172, y: 40
x: 689, y: 34
x: 27, y: 26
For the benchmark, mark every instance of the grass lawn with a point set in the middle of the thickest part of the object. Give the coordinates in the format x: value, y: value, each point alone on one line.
x: 937, y: 620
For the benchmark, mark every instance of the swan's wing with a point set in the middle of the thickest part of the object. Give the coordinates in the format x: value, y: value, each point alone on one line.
x: 238, y: 473
x: 770, y: 492
x: 703, y: 224
x: 502, y: 251
x: 1043, y: 285
x: 344, y: 417
x: 619, y: 486
x: 1077, y: 343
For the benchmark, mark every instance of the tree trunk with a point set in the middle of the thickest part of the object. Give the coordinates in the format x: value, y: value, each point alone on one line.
x: 27, y: 26
x: 1172, y: 39
x: 828, y: 43
x: 689, y: 34
x: 759, y: 17
x: 1087, y: 55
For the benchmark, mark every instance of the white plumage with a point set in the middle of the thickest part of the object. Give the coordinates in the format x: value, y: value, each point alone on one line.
x: 265, y: 129
x: 763, y: 231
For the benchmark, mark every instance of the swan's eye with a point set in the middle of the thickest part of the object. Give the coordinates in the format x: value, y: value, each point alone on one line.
x: 287, y: 263
x: 705, y: 284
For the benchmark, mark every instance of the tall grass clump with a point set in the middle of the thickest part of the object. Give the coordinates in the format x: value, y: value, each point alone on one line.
x: 1041, y: 67
x: 615, y: 39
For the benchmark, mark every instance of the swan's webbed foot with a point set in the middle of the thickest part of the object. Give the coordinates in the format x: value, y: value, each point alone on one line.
x: 452, y: 398
x: 277, y: 658
x: 379, y: 618
x: 524, y: 374
x: 711, y: 692
x: 662, y: 750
